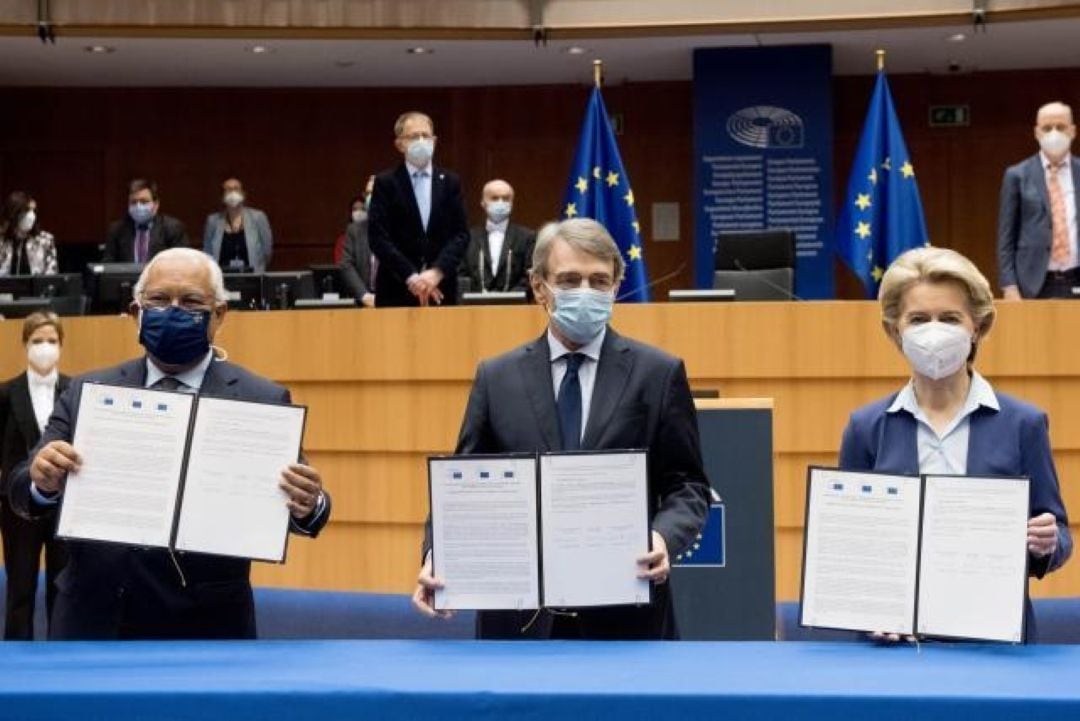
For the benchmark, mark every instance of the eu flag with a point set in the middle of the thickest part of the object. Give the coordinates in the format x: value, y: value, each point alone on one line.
x: 882, y: 215
x: 600, y: 189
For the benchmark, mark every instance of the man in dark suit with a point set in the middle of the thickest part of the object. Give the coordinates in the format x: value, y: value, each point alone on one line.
x: 111, y: 591
x: 583, y: 386
x: 1037, y: 240
x: 356, y: 267
x: 499, y: 252
x: 26, y: 401
x: 417, y: 224
x: 144, y: 232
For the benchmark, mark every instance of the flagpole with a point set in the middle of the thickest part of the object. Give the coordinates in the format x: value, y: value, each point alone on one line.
x: 598, y: 72
x: 880, y: 60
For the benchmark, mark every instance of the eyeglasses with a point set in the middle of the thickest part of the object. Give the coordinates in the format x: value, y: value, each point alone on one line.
x: 159, y: 300
x: 418, y: 135
x: 597, y: 281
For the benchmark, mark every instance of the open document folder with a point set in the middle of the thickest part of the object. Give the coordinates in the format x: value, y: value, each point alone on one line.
x: 528, y: 531
x: 935, y: 555
x: 176, y: 470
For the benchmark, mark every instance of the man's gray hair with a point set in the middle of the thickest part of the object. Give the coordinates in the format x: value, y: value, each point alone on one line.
x: 583, y: 234
x: 217, y: 280
x: 399, y: 124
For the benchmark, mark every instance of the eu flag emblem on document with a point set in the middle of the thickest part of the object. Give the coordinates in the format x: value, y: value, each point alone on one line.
x: 882, y: 214
x: 599, y: 188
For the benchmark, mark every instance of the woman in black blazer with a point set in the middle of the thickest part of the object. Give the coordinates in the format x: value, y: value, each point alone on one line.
x: 26, y: 402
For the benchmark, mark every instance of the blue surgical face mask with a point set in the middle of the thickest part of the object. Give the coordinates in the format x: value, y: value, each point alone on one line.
x: 498, y: 210
x: 581, y: 313
x: 141, y: 212
x: 420, y: 151
x: 173, y: 335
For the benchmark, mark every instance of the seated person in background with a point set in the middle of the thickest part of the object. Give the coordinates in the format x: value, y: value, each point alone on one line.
x: 357, y: 263
x: 26, y: 401
x: 145, y: 232
x: 25, y: 249
x: 499, y: 252
x: 937, y: 308
x: 238, y: 237
x: 357, y: 212
x: 112, y: 591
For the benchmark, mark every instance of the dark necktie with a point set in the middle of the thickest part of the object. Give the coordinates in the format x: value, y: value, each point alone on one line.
x: 168, y: 383
x: 569, y: 403
x: 142, y: 244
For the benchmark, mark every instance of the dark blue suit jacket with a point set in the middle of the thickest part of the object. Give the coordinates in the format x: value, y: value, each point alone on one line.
x: 641, y: 399
x: 1013, y: 441
x: 112, y: 591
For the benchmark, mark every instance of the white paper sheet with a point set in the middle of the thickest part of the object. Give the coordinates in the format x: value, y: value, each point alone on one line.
x: 861, y: 550
x: 973, y: 568
x: 484, y: 539
x: 132, y: 445
x: 595, y: 525
x: 232, y: 504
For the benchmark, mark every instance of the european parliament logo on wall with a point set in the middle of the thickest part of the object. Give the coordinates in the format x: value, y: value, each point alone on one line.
x: 766, y: 126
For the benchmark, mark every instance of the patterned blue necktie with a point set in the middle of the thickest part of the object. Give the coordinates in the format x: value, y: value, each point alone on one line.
x: 423, y: 197
x: 569, y: 403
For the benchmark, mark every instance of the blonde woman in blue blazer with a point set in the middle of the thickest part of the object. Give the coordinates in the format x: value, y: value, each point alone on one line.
x: 938, y: 308
x: 238, y: 237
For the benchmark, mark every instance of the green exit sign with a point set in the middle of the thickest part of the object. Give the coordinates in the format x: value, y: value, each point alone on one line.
x: 949, y: 116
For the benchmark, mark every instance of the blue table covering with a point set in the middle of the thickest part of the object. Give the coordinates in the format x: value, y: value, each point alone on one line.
x: 329, y: 680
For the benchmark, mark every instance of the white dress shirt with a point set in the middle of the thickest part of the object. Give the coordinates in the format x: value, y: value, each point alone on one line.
x: 42, y: 394
x: 586, y: 371
x: 496, y: 239
x: 1068, y: 189
x: 946, y: 452
x: 190, y: 380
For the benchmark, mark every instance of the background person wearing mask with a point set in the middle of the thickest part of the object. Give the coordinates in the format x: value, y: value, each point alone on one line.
x: 358, y: 265
x: 26, y: 402
x: 937, y: 308
x: 499, y: 251
x: 582, y: 386
x: 238, y: 237
x: 1036, y: 244
x: 25, y: 249
x: 417, y: 224
x: 112, y: 591
x: 144, y: 232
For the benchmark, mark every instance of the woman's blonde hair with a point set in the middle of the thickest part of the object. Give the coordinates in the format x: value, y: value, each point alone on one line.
x: 936, y: 265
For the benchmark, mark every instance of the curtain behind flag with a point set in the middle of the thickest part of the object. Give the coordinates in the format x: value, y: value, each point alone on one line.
x: 882, y: 215
x: 600, y: 189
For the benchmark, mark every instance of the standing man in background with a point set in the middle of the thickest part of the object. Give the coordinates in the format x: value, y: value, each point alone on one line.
x: 1037, y: 248
x: 499, y: 252
x: 358, y: 265
x: 145, y: 231
x: 417, y: 224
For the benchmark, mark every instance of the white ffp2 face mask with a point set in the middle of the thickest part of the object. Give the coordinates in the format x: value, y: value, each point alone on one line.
x: 26, y: 223
x: 1055, y: 142
x: 936, y: 350
x: 43, y: 356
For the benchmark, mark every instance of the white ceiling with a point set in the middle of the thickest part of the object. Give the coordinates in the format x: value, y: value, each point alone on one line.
x: 344, y: 63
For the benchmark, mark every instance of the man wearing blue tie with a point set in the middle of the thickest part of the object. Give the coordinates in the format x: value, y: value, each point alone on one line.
x: 582, y: 386
x: 417, y: 223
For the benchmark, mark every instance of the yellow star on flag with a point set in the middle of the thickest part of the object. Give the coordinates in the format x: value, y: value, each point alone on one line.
x: 862, y: 230
x: 596, y: 172
x: 863, y: 201
x: 634, y: 252
x: 629, y: 197
x: 612, y: 179
x: 907, y: 169
x: 582, y: 185
x: 571, y: 210
x: 877, y: 273
x: 637, y: 227
x: 873, y: 176
x: 887, y: 165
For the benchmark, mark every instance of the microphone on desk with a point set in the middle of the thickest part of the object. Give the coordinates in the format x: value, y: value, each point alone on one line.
x: 651, y: 284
